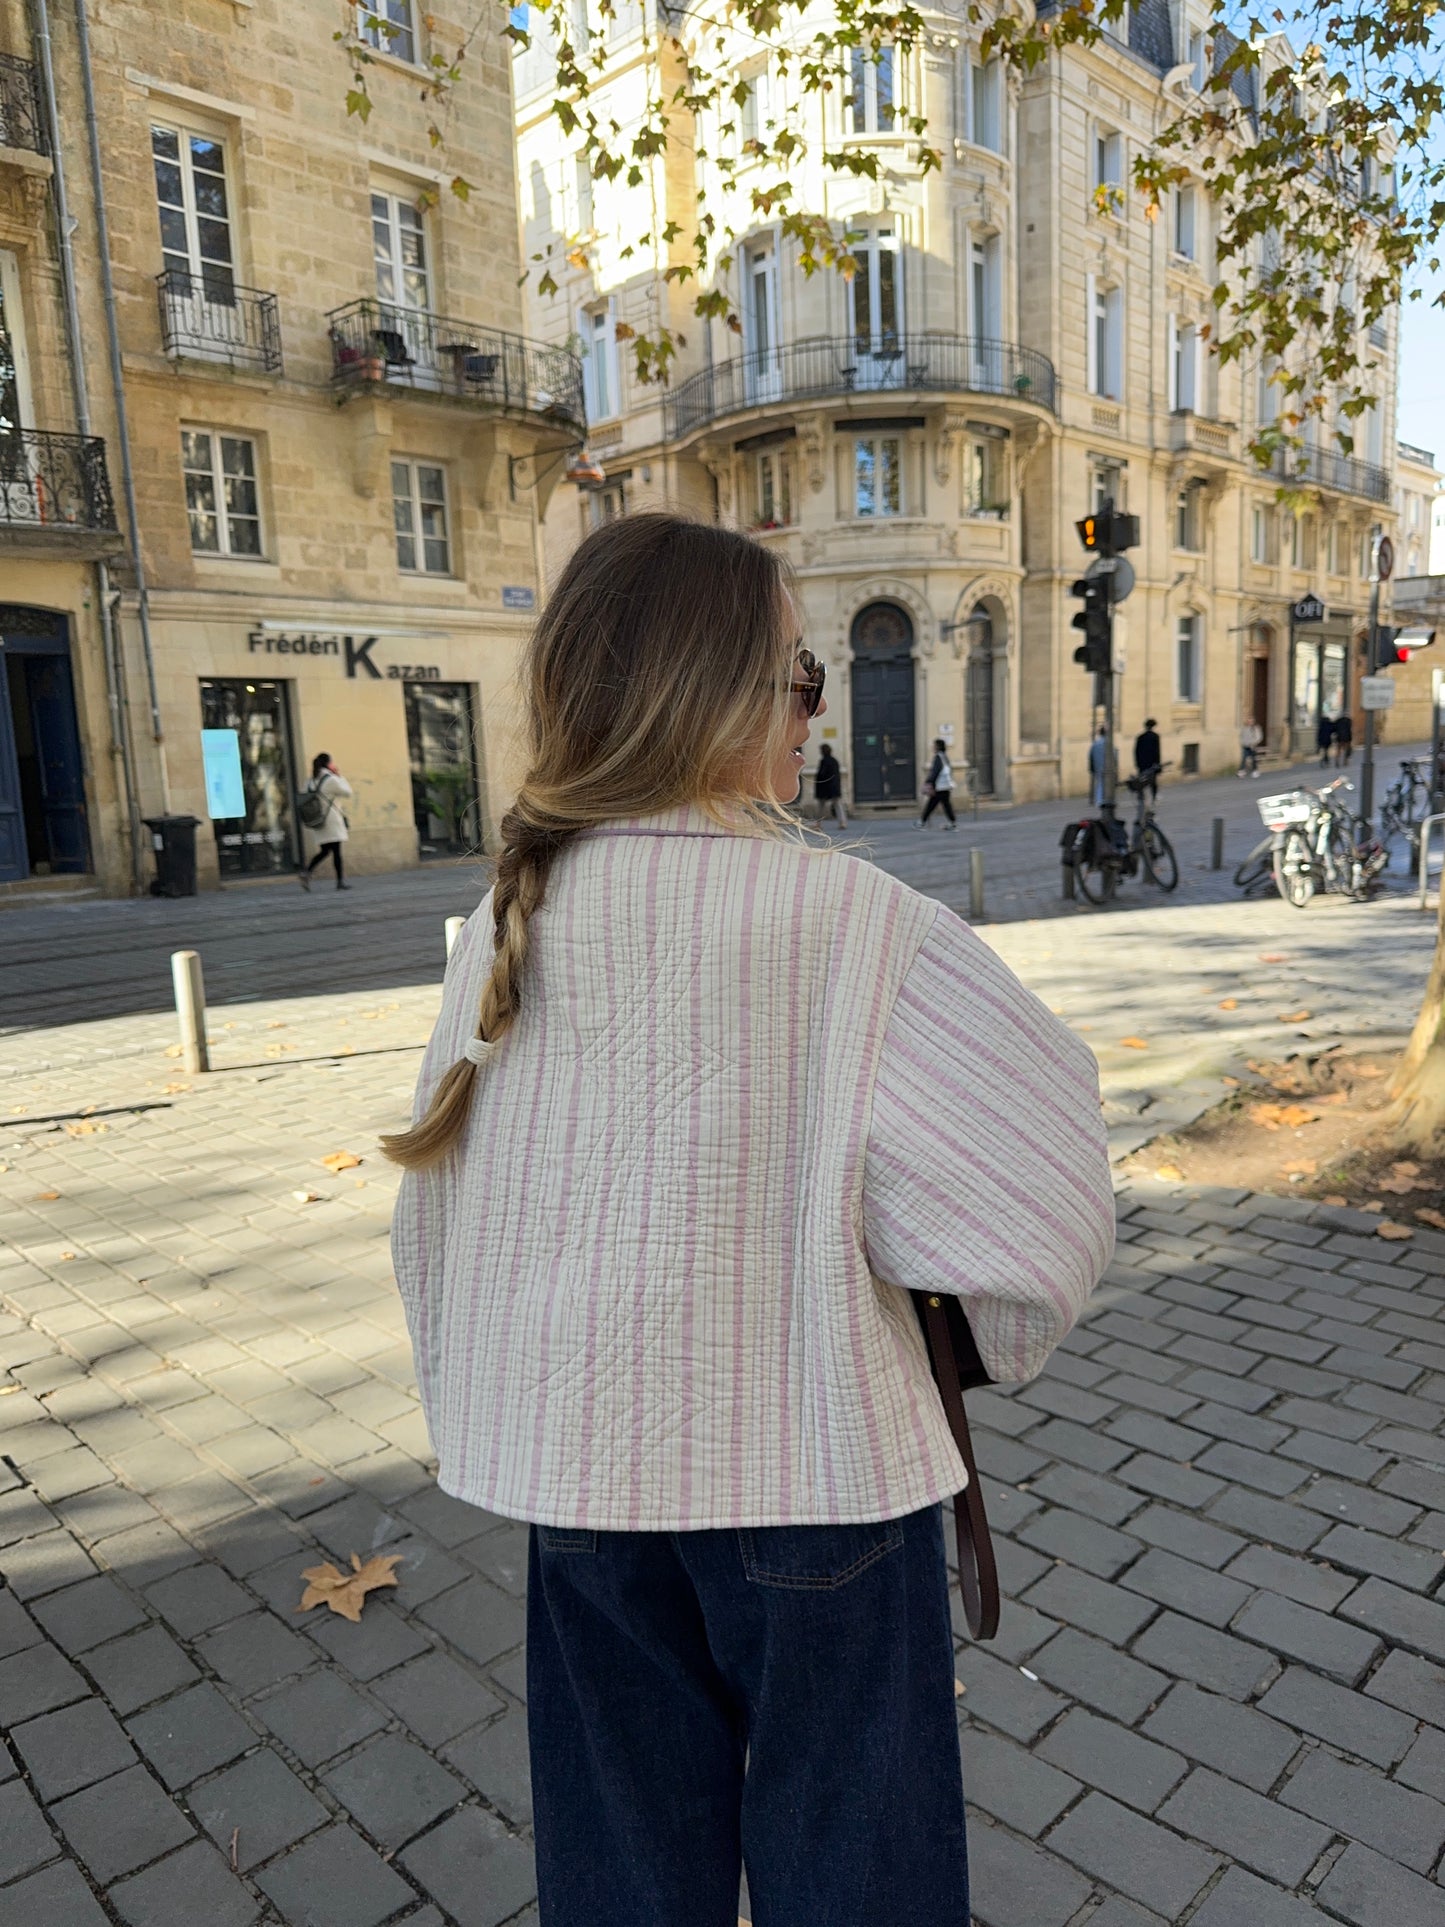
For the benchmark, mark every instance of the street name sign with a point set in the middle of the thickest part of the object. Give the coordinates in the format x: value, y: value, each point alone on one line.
x: 1377, y: 692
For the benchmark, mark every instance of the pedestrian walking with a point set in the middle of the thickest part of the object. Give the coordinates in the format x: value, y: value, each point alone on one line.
x: 324, y: 835
x: 1148, y: 755
x: 703, y: 1102
x: 1324, y: 736
x: 828, y: 787
x: 1099, y: 766
x: 1250, y: 738
x: 938, y: 786
x: 1344, y: 738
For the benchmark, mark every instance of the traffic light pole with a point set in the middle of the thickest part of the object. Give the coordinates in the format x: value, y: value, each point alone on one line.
x: 1367, y: 761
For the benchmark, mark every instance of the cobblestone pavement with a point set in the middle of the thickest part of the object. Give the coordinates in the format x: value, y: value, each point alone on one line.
x: 1219, y: 1691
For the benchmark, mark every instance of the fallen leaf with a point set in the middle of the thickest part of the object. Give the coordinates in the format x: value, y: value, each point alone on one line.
x: 1388, y: 1229
x: 1368, y: 1070
x: 1301, y: 1167
x: 277, y: 1025
x: 1428, y: 1215
x: 1333, y: 1197
x: 1272, y: 1116
x: 1230, y: 1083
x: 1132, y: 1043
x: 65, y: 1255
x: 307, y: 1197
x: 340, y: 1161
x: 1295, y: 1016
x: 1273, y: 956
x: 85, y: 1127
x: 959, y: 1689
x: 1334, y: 1097
x: 174, y: 1090
x: 345, y: 1592
x: 1400, y: 1187
x: 46, y: 1197
x: 1169, y: 1173
x: 1403, y: 1168
x: 1230, y: 1003
x: 1375, y: 1204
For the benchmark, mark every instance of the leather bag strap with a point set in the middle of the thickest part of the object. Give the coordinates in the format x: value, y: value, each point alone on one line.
x: 977, y: 1567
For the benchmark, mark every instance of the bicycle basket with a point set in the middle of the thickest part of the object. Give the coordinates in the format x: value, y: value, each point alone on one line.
x: 1293, y: 806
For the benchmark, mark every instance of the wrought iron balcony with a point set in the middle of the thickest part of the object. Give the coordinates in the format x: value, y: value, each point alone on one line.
x: 54, y: 486
x: 22, y: 121
x: 825, y: 368
x: 1327, y: 468
x: 377, y: 345
x: 206, y: 316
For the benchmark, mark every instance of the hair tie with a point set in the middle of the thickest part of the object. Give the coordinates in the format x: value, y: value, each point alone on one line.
x: 477, y: 1050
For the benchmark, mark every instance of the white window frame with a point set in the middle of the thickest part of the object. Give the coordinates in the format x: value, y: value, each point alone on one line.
x: 1185, y: 236
x: 759, y: 108
x: 761, y: 328
x: 1106, y: 483
x: 403, y: 42
x: 1105, y: 339
x: 1183, y: 351
x: 400, y: 216
x: 607, y: 504
x: 986, y: 120
x: 1189, y: 518
x: 878, y: 349
x: 216, y: 276
x: 583, y: 188
x: 601, y: 367
x: 875, y: 93
x: 218, y: 475
x: 1189, y: 660
x: 985, y: 477
x: 416, y: 533
x: 12, y: 319
x: 773, y: 487
x: 877, y: 447
x: 1261, y: 535
x: 1108, y: 157
x: 1197, y: 46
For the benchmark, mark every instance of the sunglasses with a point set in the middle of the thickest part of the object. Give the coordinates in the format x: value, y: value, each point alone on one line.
x: 810, y: 689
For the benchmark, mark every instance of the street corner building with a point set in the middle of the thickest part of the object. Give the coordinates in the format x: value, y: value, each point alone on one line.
x: 1018, y: 343
x: 273, y: 439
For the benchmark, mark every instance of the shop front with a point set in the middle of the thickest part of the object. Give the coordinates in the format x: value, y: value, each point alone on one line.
x: 44, y: 829
x: 1320, y: 670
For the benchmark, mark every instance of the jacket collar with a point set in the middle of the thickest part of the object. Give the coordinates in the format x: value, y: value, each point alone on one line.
x: 685, y: 820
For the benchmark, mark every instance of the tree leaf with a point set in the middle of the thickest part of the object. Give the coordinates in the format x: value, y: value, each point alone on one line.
x: 1387, y: 1228
x: 345, y: 1592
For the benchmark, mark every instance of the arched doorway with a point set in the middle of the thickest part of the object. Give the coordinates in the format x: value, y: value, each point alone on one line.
x: 978, y: 696
x: 884, y: 765
x: 1256, y: 683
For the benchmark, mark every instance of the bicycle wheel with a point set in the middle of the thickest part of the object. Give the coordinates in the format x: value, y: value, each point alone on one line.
x: 1294, y: 870
x: 1094, y: 869
x: 1256, y: 873
x: 1160, y: 863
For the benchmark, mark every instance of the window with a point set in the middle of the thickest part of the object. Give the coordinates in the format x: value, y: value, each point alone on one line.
x: 877, y: 294
x: 1374, y: 435
x: 1189, y: 517
x: 1308, y: 542
x: 1106, y: 340
x: 193, y: 199
x: 221, y: 498
x: 760, y: 317
x: 1108, y: 159
x: 985, y: 288
x: 398, y: 243
x: 1366, y: 558
x: 388, y: 25
x: 1108, y: 486
x: 583, y: 179
x: 606, y: 504
x: 757, y: 110
x: 985, y: 477
x: 419, y: 506
x: 985, y: 104
x: 774, y: 482
x: 1292, y: 538
x: 1183, y: 357
x: 601, y: 388
x: 1261, y: 534
x: 1198, y: 60
x: 1267, y: 399
x: 1187, y: 665
x: 1185, y: 202
x: 871, y: 111
x: 877, y: 475
x: 1332, y: 548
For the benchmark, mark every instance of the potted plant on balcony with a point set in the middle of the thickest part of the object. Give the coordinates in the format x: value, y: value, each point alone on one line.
x: 357, y: 364
x: 1022, y: 384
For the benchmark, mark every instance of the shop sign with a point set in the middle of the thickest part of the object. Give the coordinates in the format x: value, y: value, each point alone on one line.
x: 353, y: 651
x: 1309, y: 608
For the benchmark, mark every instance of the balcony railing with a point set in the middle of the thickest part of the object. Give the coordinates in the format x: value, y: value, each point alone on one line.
x: 824, y: 368
x: 1327, y: 468
x: 22, y: 123
x: 375, y: 344
x: 208, y: 317
x: 54, y: 483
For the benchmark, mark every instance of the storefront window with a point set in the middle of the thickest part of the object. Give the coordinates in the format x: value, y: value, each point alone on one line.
x: 262, y: 842
x: 440, y: 739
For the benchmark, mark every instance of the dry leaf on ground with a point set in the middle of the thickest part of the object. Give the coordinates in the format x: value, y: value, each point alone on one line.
x: 1368, y: 1070
x: 341, y: 1161
x: 1400, y: 1186
x: 46, y: 1197
x: 1295, y: 1016
x: 175, y: 1050
x: 345, y: 1592
x: 1272, y: 1116
x: 1132, y: 1043
x: 1404, y: 1168
x: 174, y: 1090
x: 1428, y: 1215
x: 1230, y: 1083
x: 1301, y: 1168
x: 1375, y: 1204
x: 1170, y: 1173
x: 307, y: 1197
x: 1334, y: 1097
x: 1273, y: 956
x: 1230, y: 1003
x: 1387, y: 1228
x: 84, y: 1127
x: 1333, y: 1197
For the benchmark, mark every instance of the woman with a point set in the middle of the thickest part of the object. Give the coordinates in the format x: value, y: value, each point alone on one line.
x: 328, y: 836
x: 702, y: 1102
x: 828, y: 787
x: 938, y: 786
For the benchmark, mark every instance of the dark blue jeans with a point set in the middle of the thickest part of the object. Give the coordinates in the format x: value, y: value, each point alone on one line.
x: 780, y: 1698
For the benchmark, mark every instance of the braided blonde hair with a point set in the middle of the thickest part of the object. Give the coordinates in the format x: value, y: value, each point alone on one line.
x: 657, y: 676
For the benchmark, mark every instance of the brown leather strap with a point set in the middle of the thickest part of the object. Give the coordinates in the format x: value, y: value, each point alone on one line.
x: 977, y: 1568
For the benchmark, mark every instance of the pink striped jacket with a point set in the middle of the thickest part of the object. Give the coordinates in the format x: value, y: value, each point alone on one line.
x: 755, y: 1092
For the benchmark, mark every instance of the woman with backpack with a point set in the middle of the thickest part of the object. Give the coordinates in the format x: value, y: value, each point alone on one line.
x: 938, y: 786
x: 322, y: 824
x: 703, y: 1102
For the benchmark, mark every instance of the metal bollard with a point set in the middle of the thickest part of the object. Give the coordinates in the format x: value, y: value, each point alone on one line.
x: 975, y: 886
x: 191, y: 1009
x: 1216, y: 844
x: 454, y: 928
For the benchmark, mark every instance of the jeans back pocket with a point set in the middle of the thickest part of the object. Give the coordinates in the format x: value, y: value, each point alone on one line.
x: 815, y: 1558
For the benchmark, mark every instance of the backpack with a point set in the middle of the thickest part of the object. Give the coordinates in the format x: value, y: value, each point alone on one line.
x: 311, y: 806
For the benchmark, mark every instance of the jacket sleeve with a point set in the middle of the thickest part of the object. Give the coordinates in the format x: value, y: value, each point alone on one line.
x: 343, y: 788
x: 987, y: 1171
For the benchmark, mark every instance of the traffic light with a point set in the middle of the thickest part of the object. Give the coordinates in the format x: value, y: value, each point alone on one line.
x: 1396, y: 646
x: 1096, y: 652
x: 1108, y: 531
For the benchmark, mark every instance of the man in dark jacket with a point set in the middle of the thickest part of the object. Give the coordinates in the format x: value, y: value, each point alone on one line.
x: 1149, y: 754
x: 1324, y: 736
x: 1344, y: 738
x: 828, y: 786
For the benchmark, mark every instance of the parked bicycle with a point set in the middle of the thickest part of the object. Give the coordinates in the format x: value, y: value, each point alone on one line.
x: 1407, y: 804
x: 1317, y: 843
x: 1102, y: 850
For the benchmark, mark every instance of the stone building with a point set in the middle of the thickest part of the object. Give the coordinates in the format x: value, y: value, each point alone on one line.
x: 1019, y: 341
x: 271, y: 486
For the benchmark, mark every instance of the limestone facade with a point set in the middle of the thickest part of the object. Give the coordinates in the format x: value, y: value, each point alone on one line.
x: 1018, y: 341
x: 338, y: 432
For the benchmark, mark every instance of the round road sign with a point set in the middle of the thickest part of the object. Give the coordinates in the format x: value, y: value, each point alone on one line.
x: 1385, y: 558
x: 1120, y: 571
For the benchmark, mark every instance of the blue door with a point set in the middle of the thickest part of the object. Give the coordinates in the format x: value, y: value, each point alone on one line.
x: 43, y: 829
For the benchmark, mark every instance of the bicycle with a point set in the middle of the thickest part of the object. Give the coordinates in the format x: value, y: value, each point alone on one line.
x: 1318, y: 843
x: 1406, y: 804
x: 1102, y: 849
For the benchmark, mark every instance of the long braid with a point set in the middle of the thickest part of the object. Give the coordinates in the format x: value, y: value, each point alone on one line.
x: 529, y: 849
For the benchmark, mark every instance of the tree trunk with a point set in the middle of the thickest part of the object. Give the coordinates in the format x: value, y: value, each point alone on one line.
x: 1419, y: 1086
